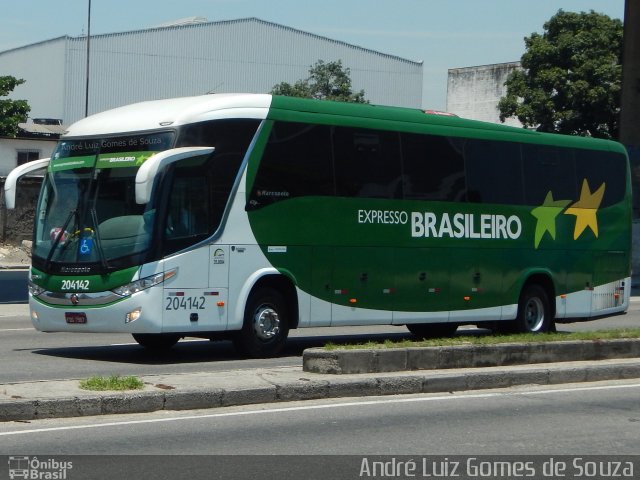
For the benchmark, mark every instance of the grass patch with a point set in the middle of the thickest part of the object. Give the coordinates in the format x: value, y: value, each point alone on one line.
x: 114, y: 382
x: 493, y: 339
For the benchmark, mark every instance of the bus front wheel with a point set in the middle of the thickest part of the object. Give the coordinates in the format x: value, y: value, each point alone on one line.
x: 266, y: 324
x: 534, y: 311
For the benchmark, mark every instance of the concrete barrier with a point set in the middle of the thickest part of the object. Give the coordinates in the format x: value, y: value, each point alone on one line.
x: 343, y: 361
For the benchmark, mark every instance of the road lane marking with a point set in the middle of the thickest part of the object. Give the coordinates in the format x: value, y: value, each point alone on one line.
x: 381, y: 401
x: 15, y: 329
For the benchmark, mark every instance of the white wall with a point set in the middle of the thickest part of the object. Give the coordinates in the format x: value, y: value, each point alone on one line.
x: 474, y: 92
x: 9, y: 148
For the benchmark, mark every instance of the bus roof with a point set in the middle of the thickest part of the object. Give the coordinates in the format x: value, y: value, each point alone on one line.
x: 152, y: 115
x: 399, y: 118
x: 155, y: 114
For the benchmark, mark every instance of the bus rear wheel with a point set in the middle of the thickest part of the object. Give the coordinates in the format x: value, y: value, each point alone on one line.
x: 157, y: 342
x: 534, y: 311
x: 266, y: 324
x: 432, y: 330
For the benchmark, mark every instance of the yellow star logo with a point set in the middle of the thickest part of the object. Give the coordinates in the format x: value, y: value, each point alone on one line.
x: 585, y: 209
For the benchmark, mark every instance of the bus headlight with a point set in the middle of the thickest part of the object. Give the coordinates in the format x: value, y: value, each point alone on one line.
x: 144, y: 283
x: 34, y: 289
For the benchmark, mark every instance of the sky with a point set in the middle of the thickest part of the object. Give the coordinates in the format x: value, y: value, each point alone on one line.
x: 443, y: 34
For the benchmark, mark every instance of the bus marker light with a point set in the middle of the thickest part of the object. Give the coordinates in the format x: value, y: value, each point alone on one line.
x: 466, y: 299
x: 563, y: 296
x: 616, y: 296
x: 220, y: 304
x: 434, y: 290
x: 133, y: 315
x: 34, y: 316
x: 353, y: 300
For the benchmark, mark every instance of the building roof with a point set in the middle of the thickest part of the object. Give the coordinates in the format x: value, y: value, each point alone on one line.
x: 197, y: 22
x: 46, y: 130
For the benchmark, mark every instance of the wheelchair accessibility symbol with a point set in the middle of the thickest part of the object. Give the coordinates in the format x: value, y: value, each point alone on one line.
x: 86, y: 245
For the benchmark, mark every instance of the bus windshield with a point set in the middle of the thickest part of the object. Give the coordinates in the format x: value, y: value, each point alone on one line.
x: 87, y: 213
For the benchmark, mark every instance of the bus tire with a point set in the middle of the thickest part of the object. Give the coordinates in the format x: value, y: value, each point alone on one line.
x: 266, y: 324
x: 534, y: 311
x: 432, y: 330
x: 156, y: 341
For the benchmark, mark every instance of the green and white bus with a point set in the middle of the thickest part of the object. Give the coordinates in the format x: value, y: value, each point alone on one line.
x: 247, y: 215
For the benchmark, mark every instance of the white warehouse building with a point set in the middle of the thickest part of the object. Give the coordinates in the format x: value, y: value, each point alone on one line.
x: 193, y: 57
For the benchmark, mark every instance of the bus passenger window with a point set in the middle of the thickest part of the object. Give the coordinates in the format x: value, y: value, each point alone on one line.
x: 493, y: 172
x: 602, y: 167
x: 367, y: 163
x: 296, y: 163
x: 548, y: 169
x: 433, y: 168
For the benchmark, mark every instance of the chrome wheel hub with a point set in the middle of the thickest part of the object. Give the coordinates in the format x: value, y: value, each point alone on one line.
x: 534, y: 314
x: 266, y: 323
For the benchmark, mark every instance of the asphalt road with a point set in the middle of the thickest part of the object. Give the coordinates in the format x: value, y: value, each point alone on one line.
x: 29, y: 355
x: 585, y: 419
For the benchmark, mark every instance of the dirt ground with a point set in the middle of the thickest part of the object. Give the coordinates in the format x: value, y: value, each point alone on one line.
x: 15, y: 255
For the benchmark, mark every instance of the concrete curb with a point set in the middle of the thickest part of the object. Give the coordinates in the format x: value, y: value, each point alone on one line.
x: 319, y: 360
x: 36, y: 400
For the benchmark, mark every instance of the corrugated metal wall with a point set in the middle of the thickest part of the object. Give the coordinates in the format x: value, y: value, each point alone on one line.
x: 236, y: 56
x: 42, y: 65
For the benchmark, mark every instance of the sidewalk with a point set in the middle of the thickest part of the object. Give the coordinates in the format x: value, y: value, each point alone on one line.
x: 64, y: 398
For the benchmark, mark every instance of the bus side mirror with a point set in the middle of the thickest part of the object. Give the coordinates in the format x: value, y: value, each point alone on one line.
x: 149, y: 170
x: 15, y: 174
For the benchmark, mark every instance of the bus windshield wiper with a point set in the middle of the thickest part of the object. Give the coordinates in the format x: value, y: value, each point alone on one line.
x: 59, y: 237
x: 103, y: 258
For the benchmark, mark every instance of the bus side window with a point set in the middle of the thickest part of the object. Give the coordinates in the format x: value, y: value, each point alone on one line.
x: 548, y: 169
x: 493, y: 172
x: 602, y: 167
x: 433, y: 168
x: 367, y: 163
x: 296, y: 162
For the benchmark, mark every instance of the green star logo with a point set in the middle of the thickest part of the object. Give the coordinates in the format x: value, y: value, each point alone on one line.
x: 546, y: 215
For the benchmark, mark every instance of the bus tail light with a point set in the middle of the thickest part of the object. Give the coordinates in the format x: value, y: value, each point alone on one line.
x: 144, y: 283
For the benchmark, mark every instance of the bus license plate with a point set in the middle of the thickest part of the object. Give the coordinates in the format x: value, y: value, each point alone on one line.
x: 75, y: 317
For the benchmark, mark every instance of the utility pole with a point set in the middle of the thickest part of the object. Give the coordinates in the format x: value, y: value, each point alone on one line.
x: 86, y: 98
x: 630, y: 114
x: 630, y: 101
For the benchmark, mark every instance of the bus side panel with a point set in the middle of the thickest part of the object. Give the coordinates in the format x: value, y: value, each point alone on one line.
x: 422, y: 285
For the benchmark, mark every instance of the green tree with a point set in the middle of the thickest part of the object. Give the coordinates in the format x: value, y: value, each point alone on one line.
x: 571, y: 77
x: 326, y: 81
x: 12, y: 112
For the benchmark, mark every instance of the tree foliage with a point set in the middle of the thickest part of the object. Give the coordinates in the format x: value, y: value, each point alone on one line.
x: 326, y: 81
x: 12, y: 112
x: 571, y: 77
